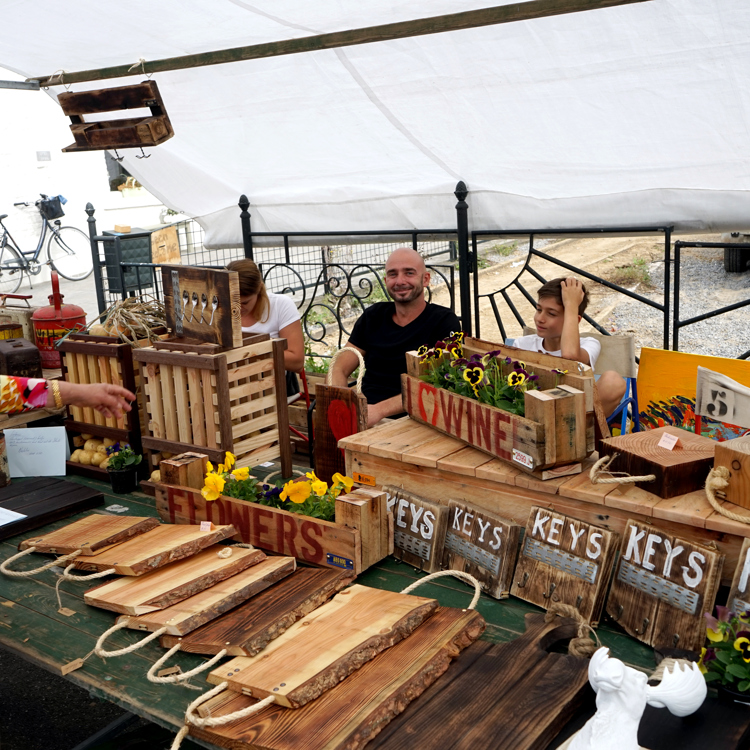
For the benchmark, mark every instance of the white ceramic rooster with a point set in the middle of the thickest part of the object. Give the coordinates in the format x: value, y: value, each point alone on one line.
x: 621, y: 697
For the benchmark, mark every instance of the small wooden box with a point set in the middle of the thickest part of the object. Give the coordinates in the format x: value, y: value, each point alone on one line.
x: 19, y: 357
x: 735, y: 456
x: 678, y: 471
x: 199, y: 396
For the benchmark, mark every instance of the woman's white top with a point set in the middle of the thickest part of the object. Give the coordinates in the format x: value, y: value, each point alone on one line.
x: 282, y: 311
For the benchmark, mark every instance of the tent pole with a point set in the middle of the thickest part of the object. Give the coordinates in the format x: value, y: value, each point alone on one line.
x: 247, y: 237
x: 464, y: 258
x: 381, y: 33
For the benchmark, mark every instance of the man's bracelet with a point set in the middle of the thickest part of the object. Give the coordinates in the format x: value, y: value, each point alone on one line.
x: 56, y: 393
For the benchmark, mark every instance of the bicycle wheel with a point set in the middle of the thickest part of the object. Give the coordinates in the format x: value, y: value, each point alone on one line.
x: 69, y: 252
x: 11, y: 270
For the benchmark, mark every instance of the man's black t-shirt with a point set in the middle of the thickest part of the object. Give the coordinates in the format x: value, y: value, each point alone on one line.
x: 386, y: 343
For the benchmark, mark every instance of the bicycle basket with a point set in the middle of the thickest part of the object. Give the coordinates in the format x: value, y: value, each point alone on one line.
x: 51, y: 208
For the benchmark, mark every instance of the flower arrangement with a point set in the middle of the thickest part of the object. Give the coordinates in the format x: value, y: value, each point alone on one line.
x: 726, y: 657
x: 485, y: 378
x: 122, y: 457
x: 309, y: 496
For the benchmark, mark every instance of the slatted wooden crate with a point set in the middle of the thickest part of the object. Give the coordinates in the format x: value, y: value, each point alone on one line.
x: 199, y: 396
x: 100, y: 359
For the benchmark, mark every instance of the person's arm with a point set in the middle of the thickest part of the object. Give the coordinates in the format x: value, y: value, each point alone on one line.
x: 294, y: 356
x: 387, y: 408
x: 110, y: 400
x: 346, y: 363
x: 570, y: 340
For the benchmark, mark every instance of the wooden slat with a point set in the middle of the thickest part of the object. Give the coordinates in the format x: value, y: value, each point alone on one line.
x: 241, y: 429
x: 196, y: 403
x: 105, y: 376
x: 259, y: 441
x: 396, y: 446
x: 151, y: 379
x: 465, y: 461
x: 72, y: 365
x: 254, y: 368
x: 169, y: 404
x: 251, y: 350
x: 252, y: 389
x: 209, y: 393
x: 361, y: 441
x: 183, y: 407
x: 93, y: 377
x: 327, y: 645
x: 83, y: 375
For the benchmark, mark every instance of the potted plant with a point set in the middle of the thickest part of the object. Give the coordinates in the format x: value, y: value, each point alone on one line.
x: 122, y: 465
x: 725, y: 660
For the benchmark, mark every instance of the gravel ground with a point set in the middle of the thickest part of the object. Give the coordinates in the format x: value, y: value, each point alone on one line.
x: 704, y: 286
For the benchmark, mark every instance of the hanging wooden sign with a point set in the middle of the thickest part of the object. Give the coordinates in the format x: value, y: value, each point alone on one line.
x: 739, y: 593
x: 564, y: 560
x: 419, y: 529
x: 483, y: 545
x: 662, y: 587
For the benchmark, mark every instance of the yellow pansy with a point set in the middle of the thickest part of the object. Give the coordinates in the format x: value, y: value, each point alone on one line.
x: 319, y: 487
x: 296, y: 492
x: 229, y: 460
x: 221, y: 469
x: 241, y: 474
x: 209, y: 467
x: 338, y: 480
x: 516, y: 378
x: 214, y: 487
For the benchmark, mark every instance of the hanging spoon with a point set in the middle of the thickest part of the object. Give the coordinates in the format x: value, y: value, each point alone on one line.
x: 195, y: 305
x: 185, y: 300
x: 204, y: 305
x: 214, y: 305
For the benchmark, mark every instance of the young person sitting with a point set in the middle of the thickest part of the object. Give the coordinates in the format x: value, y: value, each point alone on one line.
x: 561, y: 303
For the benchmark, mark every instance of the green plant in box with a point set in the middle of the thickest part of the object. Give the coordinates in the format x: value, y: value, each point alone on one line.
x: 726, y: 656
x: 122, y: 457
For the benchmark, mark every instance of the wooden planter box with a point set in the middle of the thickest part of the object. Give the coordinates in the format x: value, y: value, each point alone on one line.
x: 233, y: 400
x: 555, y: 431
x: 100, y: 359
x: 362, y: 535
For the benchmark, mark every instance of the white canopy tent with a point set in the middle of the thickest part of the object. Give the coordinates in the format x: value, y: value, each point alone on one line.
x: 627, y: 116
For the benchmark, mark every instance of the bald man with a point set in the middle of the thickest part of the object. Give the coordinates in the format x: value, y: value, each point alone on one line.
x: 387, y: 330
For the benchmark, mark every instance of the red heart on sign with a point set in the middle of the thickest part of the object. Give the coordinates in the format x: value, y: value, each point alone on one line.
x: 342, y: 418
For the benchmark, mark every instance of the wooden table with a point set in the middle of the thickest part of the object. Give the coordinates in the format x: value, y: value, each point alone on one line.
x: 417, y: 458
x: 31, y: 627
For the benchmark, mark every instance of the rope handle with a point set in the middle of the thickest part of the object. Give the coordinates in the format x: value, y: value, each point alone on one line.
x: 361, y: 375
x: 101, y: 574
x: 465, y: 577
x: 99, y: 648
x: 182, y: 676
x: 582, y: 646
x: 615, y: 477
x: 25, y: 573
x: 718, y: 479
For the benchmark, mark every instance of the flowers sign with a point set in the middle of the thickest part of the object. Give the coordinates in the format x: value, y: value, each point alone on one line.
x: 486, y: 378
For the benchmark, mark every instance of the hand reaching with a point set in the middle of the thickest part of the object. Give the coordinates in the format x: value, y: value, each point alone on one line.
x: 110, y: 400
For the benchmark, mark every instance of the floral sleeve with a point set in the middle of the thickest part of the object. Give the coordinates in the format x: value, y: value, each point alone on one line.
x: 22, y: 394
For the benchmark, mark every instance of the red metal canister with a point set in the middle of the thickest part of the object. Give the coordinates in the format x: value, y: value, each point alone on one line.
x: 52, y: 322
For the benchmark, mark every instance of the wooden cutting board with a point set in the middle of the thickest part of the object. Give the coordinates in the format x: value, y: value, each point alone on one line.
x: 201, y: 608
x: 138, y: 595
x: 325, y: 646
x: 44, y: 500
x: 154, y: 549
x: 512, y: 696
x: 91, y: 535
x: 350, y: 713
x: 247, y: 629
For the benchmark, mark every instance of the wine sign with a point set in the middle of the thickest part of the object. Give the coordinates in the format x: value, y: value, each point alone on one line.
x: 483, y: 545
x: 419, y: 528
x: 662, y: 587
x: 564, y: 560
x: 739, y: 594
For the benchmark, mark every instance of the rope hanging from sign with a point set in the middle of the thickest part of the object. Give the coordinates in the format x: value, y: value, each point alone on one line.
x: 25, y: 573
x: 718, y: 479
x: 358, y: 387
x: 181, y: 676
x: 465, y: 577
x: 99, y: 650
x: 600, y: 469
x: 582, y: 646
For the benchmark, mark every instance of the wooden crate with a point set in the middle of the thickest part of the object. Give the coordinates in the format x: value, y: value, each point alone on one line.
x: 200, y: 396
x: 100, y: 359
x: 553, y: 432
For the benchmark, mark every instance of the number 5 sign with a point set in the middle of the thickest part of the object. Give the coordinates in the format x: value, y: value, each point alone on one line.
x: 722, y: 398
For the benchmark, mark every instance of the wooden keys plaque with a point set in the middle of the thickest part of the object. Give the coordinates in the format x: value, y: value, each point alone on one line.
x: 481, y: 544
x: 564, y: 560
x: 662, y: 587
x: 739, y: 594
x: 419, y: 529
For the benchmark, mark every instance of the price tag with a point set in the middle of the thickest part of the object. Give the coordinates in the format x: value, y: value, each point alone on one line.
x: 363, y: 479
x: 72, y: 666
x: 266, y: 464
x: 66, y: 612
x: 207, y: 526
x: 523, y: 458
x: 116, y: 508
x: 168, y: 671
x: 669, y: 441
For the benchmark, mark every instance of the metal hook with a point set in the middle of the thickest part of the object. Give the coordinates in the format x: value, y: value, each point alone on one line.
x: 579, y: 599
x: 620, y: 610
x: 552, y: 588
x: 143, y: 155
x: 117, y: 156
x: 675, y: 640
x: 645, y: 625
x: 523, y: 582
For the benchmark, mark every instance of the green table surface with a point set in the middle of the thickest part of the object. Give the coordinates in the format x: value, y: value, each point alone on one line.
x: 31, y: 626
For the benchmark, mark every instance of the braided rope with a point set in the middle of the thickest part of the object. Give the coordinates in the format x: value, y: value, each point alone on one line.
x: 182, y: 676
x: 718, y: 479
x: 465, y: 577
x: 99, y: 651
x: 329, y: 375
x: 582, y: 646
x: 26, y: 573
x: 615, y: 477
x: 90, y: 577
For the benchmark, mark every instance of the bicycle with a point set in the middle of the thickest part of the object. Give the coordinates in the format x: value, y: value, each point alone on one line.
x: 68, y: 248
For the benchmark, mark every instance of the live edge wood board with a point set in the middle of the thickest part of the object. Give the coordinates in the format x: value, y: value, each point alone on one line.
x: 348, y: 715
x: 309, y: 539
x: 410, y: 455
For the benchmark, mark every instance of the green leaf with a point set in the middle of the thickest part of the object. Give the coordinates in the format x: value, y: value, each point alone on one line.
x: 744, y: 686
x: 738, y: 671
x: 723, y: 656
x: 711, y: 676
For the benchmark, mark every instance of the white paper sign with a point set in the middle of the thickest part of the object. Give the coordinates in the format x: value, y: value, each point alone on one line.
x: 668, y: 441
x: 9, y: 516
x: 36, y: 452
